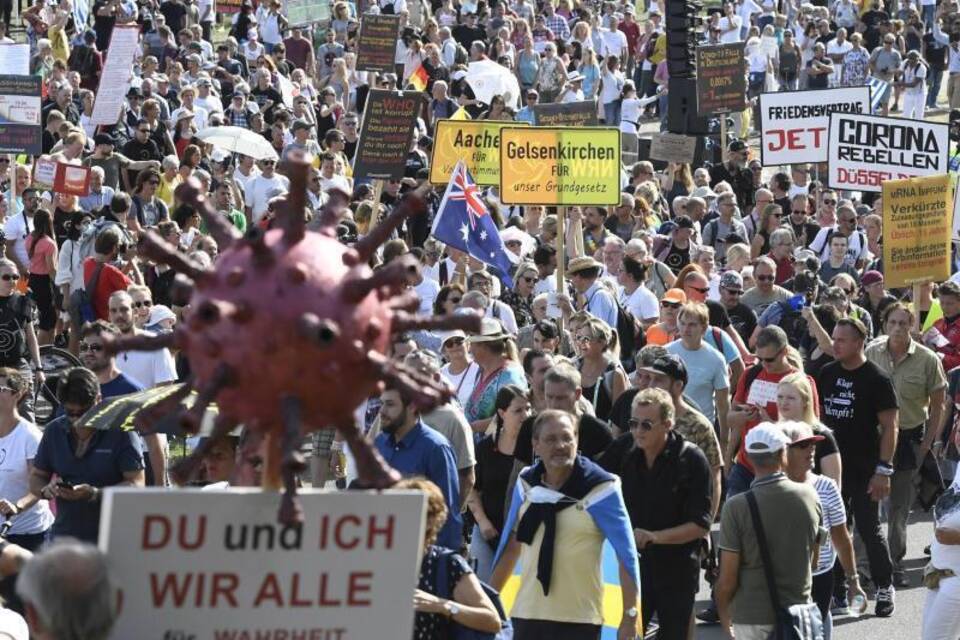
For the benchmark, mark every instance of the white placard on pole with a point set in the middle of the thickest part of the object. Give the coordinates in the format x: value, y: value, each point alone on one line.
x: 14, y: 59
x: 115, y: 78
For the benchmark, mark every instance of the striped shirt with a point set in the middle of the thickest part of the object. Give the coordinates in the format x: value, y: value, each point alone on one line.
x: 834, y: 514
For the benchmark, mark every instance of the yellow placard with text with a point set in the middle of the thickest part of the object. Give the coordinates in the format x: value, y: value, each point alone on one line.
x: 560, y: 166
x: 917, y: 230
x: 476, y: 142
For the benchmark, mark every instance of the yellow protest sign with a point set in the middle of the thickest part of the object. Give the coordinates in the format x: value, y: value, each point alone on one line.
x: 916, y: 230
x: 560, y: 166
x: 476, y: 142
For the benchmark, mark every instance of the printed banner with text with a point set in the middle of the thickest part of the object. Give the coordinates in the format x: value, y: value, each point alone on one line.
x: 721, y: 83
x: 377, y: 47
x: 556, y: 166
x: 917, y: 230
x: 20, y: 115
x: 476, y: 142
x: 115, y: 80
x: 215, y: 564
x: 582, y: 113
x: 385, y: 133
x: 794, y: 124
x: 866, y: 151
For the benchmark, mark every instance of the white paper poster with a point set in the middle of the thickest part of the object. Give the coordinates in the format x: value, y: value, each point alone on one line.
x: 866, y: 151
x: 14, y: 59
x: 115, y: 78
x: 216, y: 564
x: 794, y: 124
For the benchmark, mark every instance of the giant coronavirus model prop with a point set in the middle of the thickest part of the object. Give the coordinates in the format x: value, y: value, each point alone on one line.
x: 288, y: 332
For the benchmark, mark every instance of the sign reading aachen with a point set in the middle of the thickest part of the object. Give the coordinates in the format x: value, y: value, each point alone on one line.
x: 560, y: 166
x: 476, y: 142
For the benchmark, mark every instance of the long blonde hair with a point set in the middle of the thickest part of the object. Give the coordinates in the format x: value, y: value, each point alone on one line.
x: 799, y: 382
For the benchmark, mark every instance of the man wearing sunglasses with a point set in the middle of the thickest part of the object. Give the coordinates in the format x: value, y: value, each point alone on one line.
x: 84, y: 458
x: 113, y: 382
x: 260, y: 190
x: 668, y: 489
x: 766, y: 292
x: 846, y: 225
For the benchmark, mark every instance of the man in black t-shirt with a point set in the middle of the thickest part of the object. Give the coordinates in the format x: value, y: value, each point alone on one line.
x: 562, y: 391
x: 935, y: 55
x: 742, y: 317
x: 857, y: 397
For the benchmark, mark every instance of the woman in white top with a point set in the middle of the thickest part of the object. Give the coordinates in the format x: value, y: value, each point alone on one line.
x: 631, y: 107
x: 19, y: 439
x: 460, y: 372
x: 800, y: 456
x: 913, y: 83
x: 941, y: 611
x: 611, y: 88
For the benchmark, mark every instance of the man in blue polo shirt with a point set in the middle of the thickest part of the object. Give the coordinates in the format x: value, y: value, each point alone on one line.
x: 85, y: 459
x: 414, y: 449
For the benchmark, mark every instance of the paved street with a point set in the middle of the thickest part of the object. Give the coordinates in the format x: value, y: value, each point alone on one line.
x: 905, y: 623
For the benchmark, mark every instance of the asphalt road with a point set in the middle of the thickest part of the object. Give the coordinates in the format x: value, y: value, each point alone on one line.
x: 906, y: 620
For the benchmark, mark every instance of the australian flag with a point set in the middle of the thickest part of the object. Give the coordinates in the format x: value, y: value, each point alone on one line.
x: 463, y: 222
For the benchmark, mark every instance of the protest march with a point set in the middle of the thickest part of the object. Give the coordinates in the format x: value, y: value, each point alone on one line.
x: 499, y: 319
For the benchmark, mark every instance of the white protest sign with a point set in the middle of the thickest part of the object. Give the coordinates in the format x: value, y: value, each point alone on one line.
x: 794, y: 124
x: 115, y: 78
x: 217, y: 565
x: 864, y: 151
x: 14, y: 59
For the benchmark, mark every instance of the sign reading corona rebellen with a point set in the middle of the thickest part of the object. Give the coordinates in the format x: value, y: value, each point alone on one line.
x: 476, y: 142
x: 917, y: 229
x: 215, y: 564
x: 557, y: 166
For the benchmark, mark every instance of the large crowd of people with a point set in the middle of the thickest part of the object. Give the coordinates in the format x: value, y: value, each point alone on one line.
x: 712, y: 372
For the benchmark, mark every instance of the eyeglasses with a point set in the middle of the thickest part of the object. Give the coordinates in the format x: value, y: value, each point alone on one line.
x: 769, y: 360
x: 528, y: 279
x: 94, y: 348
x: 645, y: 425
x: 764, y: 278
x: 142, y: 304
x: 848, y: 220
x: 268, y: 162
x: 454, y: 342
x: 733, y: 292
x: 703, y: 290
x: 670, y: 305
x: 8, y: 277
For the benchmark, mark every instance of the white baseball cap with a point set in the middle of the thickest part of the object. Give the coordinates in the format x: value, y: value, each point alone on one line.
x: 766, y: 438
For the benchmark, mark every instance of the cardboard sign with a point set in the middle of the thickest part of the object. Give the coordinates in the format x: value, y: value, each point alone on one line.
x: 215, y: 564
x: 476, y: 142
x: 229, y: 6
x: 557, y: 166
x: 721, y: 79
x: 377, y: 46
x: 20, y: 130
x: 917, y: 229
x: 566, y: 114
x: 305, y: 12
x: 866, y: 151
x: 794, y: 124
x: 44, y: 172
x: 388, y: 121
x: 115, y: 80
x: 673, y: 147
x: 72, y: 179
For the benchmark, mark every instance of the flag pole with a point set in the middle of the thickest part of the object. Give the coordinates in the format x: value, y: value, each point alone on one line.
x: 561, y: 259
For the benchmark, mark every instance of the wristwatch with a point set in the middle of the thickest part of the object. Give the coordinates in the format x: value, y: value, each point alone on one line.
x: 451, y: 608
x: 631, y: 612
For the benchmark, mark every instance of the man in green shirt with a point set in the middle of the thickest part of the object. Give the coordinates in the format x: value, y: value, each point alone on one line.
x: 223, y: 201
x: 791, y: 516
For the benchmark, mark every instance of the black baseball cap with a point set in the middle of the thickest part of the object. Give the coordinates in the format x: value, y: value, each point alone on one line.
x: 669, y: 365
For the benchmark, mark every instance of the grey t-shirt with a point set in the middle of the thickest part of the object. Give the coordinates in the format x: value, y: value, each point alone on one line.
x: 886, y: 63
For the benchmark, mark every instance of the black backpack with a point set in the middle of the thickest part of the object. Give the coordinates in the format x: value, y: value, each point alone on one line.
x: 631, y: 335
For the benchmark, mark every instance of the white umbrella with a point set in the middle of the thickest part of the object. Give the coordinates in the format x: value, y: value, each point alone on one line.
x: 239, y: 140
x: 488, y: 79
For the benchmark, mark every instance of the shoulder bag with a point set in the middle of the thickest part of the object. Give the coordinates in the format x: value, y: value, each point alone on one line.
x: 797, y: 622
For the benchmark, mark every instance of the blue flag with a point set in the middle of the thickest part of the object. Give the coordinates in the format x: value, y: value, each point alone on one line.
x: 464, y: 223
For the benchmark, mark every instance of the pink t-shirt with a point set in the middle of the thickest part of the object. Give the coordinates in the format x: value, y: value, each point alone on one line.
x: 45, y: 247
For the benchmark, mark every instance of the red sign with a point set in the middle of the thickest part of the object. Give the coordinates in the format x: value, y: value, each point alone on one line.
x: 72, y: 179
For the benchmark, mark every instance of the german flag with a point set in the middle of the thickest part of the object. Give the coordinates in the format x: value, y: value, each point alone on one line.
x: 419, y: 78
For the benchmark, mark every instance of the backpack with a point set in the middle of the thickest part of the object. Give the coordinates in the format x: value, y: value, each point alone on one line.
x: 457, y: 631
x: 631, y: 335
x: 89, y: 237
x: 792, y: 324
